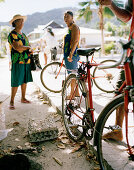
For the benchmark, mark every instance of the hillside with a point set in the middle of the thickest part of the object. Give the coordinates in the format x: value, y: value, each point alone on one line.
x: 57, y: 15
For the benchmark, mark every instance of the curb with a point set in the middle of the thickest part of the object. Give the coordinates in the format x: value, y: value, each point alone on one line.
x: 50, y: 102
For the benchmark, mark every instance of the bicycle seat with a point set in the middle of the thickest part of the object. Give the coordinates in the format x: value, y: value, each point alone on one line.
x: 87, y: 51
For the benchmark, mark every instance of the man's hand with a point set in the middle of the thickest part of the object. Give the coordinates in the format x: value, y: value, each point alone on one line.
x: 105, y: 2
x: 70, y: 58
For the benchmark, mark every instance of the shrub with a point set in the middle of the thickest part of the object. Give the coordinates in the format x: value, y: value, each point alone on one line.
x: 109, y: 47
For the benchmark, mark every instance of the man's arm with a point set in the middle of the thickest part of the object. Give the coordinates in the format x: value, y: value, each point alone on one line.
x: 121, y: 13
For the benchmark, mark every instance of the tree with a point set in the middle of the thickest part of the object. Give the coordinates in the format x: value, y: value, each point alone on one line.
x: 86, y: 12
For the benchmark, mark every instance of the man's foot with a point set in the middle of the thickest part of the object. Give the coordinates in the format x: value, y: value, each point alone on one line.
x: 116, y: 135
x: 25, y: 101
x: 11, y: 106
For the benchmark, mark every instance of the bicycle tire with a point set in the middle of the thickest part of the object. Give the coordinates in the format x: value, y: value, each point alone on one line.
x: 48, y: 77
x: 105, y: 79
x: 109, y: 152
x: 72, y: 123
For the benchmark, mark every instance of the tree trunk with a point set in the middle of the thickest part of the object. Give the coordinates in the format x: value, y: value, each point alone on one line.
x: 102, y: 29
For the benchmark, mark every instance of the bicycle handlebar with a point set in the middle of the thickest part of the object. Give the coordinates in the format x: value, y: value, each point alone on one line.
x: 130, y: 45
x: 116, y: 64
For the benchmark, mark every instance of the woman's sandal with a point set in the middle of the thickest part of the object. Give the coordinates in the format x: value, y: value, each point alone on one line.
x: 11, y: 107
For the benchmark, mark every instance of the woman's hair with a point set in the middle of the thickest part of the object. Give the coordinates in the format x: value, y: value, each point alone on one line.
x: 13, y: 24
x: 69, y: 12
x: 50, y: 31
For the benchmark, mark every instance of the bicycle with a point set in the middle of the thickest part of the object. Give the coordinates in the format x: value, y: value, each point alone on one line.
x: 78, y: 111
x: 105, y: 122
x: 56, y: 71
x: 77, y: 115
x: 53, y: 74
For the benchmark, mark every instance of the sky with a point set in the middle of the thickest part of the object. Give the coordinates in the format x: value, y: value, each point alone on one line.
x: 25, y: 7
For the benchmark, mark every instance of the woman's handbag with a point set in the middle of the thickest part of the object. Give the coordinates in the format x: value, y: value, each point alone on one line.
x: 32, y: 63
x: 35, y: 62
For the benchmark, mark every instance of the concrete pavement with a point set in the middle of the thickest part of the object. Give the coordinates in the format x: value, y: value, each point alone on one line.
x: 46, y: 153
x: 100, y: 99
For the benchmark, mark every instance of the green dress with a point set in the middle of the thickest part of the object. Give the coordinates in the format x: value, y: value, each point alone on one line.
x: 21, y: 69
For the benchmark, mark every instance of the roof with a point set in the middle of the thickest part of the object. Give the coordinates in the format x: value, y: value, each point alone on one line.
x: 36, y: 31
x: 53, y: 24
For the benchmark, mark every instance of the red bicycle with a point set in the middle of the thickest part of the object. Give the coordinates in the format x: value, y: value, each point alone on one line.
x: 78, y: 112
x: 113, y: 152
x: 54, y: 73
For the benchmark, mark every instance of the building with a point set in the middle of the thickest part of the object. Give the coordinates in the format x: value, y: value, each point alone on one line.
x: 88, y: 37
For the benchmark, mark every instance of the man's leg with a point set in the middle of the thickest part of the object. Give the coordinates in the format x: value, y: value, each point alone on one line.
x: 73, y: 87
x: 45, y: 58
x: 117, y: 135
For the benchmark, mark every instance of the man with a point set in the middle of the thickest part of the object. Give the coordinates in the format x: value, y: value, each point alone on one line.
x: 124, y: 15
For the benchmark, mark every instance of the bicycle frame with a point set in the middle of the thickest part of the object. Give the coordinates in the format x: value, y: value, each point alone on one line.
x: 128, y: 80
x: 125, y: 88
x: 88, y: 79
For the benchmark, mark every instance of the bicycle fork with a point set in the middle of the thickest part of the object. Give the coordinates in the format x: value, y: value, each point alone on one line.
x: 126, y: 100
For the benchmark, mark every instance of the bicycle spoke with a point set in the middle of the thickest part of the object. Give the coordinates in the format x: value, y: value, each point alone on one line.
x: 74, y: 108
x: 106, y: 79
x: 52, y: 76
x: 114, y: 152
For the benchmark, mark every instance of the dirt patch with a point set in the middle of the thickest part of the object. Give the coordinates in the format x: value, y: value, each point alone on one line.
x: 60, y: 153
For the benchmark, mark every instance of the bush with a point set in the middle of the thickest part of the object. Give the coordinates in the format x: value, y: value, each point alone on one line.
x: 109, y: 47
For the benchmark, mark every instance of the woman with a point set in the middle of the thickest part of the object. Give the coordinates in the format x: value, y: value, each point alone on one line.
x: 71, y: 43
x: 20, y: 59
x: 49, y: 43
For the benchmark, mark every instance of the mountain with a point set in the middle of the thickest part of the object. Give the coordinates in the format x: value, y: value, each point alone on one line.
x: 42, y: 18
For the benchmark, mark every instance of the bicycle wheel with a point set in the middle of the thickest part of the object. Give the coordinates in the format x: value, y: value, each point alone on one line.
x: 113, y: 154
x: 50, y: 78
x: 105, y: 79
x: 73, y: 109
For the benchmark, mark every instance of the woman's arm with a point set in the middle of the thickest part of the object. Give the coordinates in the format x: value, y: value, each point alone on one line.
x: 121, y: 13
x: 75, y: 35
x: 19, y: 47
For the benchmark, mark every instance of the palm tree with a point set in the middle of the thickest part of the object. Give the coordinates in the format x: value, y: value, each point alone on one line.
x: 86, y: 12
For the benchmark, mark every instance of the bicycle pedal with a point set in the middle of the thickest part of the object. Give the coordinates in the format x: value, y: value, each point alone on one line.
x: 114, y: 128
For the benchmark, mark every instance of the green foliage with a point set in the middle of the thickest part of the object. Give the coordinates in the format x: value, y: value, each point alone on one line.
x: 4, y: 34
x: 121, y: 31
x: 107, y: 12
x: 87, y: 7
x: 111, y: 28
x: 85, y: 12
x: 109, y: 47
